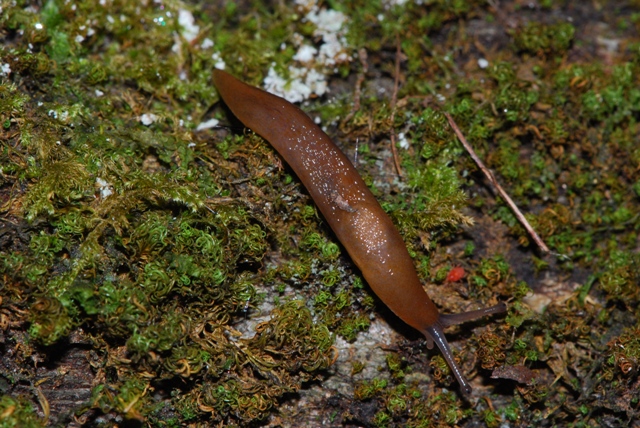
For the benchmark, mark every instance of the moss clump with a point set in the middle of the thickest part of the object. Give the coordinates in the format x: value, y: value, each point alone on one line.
x: 18, y: 412
x: 620, y: 278
x: 133, y: 235
x: 289, y: 348
x: 407, y: 405
x: 623, y: 357
x: 541, y: 39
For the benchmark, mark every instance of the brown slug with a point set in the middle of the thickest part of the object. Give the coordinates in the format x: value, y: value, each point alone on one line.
x: 354, y: 214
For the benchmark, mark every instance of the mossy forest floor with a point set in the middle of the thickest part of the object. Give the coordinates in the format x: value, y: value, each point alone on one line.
x: 156, y: 270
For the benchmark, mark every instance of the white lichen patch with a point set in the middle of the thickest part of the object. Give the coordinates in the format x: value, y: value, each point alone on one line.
x: 5, y: 69
x: 206, y: 43
x: 208, y: 124
x: 302, y: 83
x: 104, y: 188
x: 403, y: 141
x: 219, y: 62
x: 189, y: 29
x: 306, y: 53
x: 148, y: 118
x: 316, y: 57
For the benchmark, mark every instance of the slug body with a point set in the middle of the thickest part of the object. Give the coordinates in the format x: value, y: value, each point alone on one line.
x: 347, y: 204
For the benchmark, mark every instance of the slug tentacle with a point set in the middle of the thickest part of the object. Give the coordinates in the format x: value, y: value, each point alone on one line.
x: 434, y: 333
x: 452, y: 319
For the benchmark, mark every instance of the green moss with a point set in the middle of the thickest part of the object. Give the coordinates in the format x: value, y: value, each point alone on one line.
x: 368, y: 389
x: 330, y: 277
x: 441, y: 274
x: 352, y: 325
x: 537, y: 38
x: 198, y: 225
x: 491, y: 418
x: 512, y: 412
x: 292, y: 329
x: 437, y: 207
x: 518, y: 314
x: 381, y: 419
x: 129, y: 400
x: 63, y: 182
x: 159, y: 337
x: 18, y: 412
x: 50, y: 321
x: 620, y: 278
x: 396, y: 365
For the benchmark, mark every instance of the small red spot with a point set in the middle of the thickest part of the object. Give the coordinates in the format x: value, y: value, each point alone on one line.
x: 455, y: 274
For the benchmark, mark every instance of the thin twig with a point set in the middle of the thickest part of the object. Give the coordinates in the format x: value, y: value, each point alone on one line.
x: 497, y: 186
x: 362, y: 55
x: 394, y: 100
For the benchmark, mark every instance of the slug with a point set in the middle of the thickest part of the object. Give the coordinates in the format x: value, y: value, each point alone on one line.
x: 355, y: 216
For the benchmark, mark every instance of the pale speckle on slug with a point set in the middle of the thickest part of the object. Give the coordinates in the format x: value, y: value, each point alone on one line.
x: 367, y: 230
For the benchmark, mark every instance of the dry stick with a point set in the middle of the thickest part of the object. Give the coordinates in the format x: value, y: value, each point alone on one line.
x: 497, y: 186
x: 362, y: 55
x: 394, y: 100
